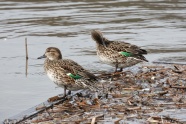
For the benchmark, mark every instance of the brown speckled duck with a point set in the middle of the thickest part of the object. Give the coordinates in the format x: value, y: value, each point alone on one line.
x: 116, y: 53
x: 66, y: 73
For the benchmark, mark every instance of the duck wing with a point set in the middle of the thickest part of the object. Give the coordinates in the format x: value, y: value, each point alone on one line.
x: 124, y: 46
x: 75, y: 69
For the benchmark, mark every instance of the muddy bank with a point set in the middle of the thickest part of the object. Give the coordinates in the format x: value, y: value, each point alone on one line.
x: 148, y: 94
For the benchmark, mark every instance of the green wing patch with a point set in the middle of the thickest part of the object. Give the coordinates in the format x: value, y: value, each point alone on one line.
x: 127, y: 54
x: 74, y: 76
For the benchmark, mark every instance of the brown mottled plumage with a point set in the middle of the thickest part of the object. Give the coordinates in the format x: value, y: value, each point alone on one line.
x: 118, y: 54
x: 66, y: 73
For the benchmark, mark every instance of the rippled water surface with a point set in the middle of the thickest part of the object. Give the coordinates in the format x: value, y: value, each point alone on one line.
x: 158, y: 26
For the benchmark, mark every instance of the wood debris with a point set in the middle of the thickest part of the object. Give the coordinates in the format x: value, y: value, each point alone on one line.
x: 137, y: 96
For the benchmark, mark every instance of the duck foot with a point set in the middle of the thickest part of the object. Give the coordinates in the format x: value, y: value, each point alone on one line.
x: 120, y: 70
x: 58, y: 97
x: 69, y: 92
x: 54, y: 98
x: 79, y: 94
x: 83, y: 95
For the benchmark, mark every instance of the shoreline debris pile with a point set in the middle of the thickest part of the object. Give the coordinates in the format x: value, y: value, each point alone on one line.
x: 150, y: 94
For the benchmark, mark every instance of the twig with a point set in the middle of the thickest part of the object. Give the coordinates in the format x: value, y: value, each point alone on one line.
x: 117, y: 121
x: 135, y: 108
x: 26, y: 71
x: 131, y: 88
x: 178, y: 87
x: 94, y: 118
x: 40, y: 111
x: 157, y: 62
x: 152, y: 66
x: 177, y: 71
x: 163, y: 93
x: 172, y: 119
x: 162, y: 120
x: 26, y: 48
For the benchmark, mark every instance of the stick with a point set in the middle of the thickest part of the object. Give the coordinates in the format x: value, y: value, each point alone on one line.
x: 178, y: 87
x: 40, y: 111
x: 94, y: 118
x: 157, y: 62
x: 117, y: 121
x: 26, y: 71
x: 26, y: 48
x: 134, y: 108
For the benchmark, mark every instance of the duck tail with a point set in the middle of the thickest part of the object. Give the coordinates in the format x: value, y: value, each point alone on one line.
x: 145, y: 59
x: 141, y: 57
x: 97, y: 36
x: 142, y: 51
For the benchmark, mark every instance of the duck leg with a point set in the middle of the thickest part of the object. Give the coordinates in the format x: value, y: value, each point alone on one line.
x: 116, y: 67
x: 69, y: 92
x: 55, y: 98
x: 121, y: 69
x: 64, y: 94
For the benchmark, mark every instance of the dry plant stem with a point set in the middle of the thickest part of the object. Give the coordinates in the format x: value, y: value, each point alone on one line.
x: 117, y: 121
x: 153, y: 66
x: 135, y: 108
x: 162, y: 120
x: 167, y: 63
x: 168, y: 118
x: 26, y: 49
x: 178, y: 87
x: 94, y: 118
x: 40, y: 111
x: 172, y: 119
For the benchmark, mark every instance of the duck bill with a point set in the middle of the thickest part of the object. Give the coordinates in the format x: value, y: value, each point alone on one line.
x: 43, y: 56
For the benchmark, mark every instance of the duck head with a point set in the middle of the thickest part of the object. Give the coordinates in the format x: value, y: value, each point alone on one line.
x: 52, y: 53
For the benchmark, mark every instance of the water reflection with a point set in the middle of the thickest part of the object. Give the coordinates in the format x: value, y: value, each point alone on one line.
x: 158, y: 26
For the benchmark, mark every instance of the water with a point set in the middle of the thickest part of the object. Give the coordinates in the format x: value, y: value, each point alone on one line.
x: 158, y: 26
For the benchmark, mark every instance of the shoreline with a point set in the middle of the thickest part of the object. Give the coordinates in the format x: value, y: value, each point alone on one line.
x: 153, y: 93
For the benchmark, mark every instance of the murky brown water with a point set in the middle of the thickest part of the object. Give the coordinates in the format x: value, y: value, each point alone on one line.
x: 156, y: 26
